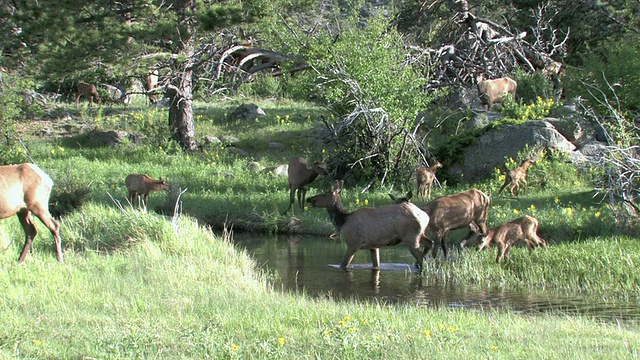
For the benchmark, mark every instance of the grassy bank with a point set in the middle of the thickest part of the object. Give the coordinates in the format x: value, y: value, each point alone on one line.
x: 140, y: 285
x: 171, y: 289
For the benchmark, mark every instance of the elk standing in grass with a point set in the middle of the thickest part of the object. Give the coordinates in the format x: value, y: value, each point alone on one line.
x: 425, y: 176
x: 25, y: 189
x: 372, y: 228
x: 515, y: 176
x: 89, y: 91
x: 141, y: 184
x: 504, y: 236
x: 300, y: 175
x: 495, y: 91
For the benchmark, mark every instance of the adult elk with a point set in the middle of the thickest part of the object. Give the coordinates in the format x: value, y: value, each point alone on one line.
x: 89, y: 91
x: 456, y: 211
x: 25, y: 190
x: 504, y: 236
x: 515, y: 176
x: 495, y: 91
x: 141, y: 184
x: 300, y: 175
x: 372, y: 228
x: 425, y: 176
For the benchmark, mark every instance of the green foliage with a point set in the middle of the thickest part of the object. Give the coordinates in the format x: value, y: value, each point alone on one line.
x: 523, y: 112
x: 532, y: 86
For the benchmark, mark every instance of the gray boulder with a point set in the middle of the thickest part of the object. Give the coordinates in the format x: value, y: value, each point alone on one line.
x: 247, y: 112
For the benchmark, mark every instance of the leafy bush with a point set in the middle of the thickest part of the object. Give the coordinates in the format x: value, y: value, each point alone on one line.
x: 532, y: 86
x: 534, y: 111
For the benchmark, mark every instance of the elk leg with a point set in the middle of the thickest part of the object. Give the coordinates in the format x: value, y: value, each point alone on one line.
x: 30, y: 232
x: 348, y: 257
x: 53, y: 226
x: 375, y: 258
x: 302, y: 194
x: 292, y: 198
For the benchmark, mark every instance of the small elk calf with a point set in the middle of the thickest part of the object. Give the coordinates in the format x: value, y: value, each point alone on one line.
x: 425, y: 177
x: 521, y: 229
x: 89, y: 91
x: 495, y: 91
x: 141, y: 184
x: 300, y: 175
x: 25, y: 189
x: 515, y: 176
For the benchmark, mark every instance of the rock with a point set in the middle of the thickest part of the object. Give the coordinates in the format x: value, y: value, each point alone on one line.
x: 254, y: 166
x: 111, y: 138
x: 247, y: 112
x: 277, y: 170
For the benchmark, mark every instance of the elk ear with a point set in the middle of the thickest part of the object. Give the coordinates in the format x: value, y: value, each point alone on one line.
x: 338, y: 186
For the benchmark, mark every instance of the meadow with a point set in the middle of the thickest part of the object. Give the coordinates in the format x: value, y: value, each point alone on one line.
x: 159, y: 284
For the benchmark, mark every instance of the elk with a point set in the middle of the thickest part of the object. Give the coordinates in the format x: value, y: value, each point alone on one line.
x: 25, y: 190
x: 521, y: 229
x: 89, y: 91
x: 372, y: 228
x: 141, y: 184
x: 151, y: 83
x: 425, y: 177
x: 456, y: 211
x: 495, y: 91
x: 515, y: 176
x: 300, y: 175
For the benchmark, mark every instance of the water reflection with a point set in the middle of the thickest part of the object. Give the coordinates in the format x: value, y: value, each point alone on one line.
x: 300, y: 264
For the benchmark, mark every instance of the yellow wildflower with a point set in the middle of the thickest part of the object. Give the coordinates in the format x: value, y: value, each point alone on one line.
x: 281, y: 341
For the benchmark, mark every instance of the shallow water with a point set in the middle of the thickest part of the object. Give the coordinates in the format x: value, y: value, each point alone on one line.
x: 301, y: 265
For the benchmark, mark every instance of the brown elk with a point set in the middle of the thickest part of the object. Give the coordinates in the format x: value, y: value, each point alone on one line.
x: 151, y: 84
x: 515, y: 176
x: 89, y: 91
x: 141, y: 184
x: 504, y: 236
x: 456, y: 211
x: 495, y: 91
x: 25, y: 190
x: 373, y: 228
x: 300, y: 175
x: 425, y: 176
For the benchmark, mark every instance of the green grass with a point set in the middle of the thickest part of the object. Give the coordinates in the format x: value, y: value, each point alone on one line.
x: 141, y: 285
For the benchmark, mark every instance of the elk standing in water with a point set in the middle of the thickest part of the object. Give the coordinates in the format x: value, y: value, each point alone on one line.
x: 373, y: 228
x: 425, y: 176
x: 521, y: 229
x: 25, y: 189
x: 141, y: 184
x: 515, y: 176
x: 300, y: 175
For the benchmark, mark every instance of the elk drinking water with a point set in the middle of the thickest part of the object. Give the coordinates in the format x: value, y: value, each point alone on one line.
x: 372, y: 228
x: 141, y: 184
x: 521, y: 229
x: 300, y: 175
x: 25, y: 190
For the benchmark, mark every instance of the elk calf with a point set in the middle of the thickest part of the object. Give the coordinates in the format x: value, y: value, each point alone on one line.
x: 424, y: 179
x: 372, y: 228
x: 89, y: 91
x: 141, y: 184
x: 25, y: 189
x: 300, y: 175
x: 515, y: 176
x: 521, y: 229
x: 495, y: 91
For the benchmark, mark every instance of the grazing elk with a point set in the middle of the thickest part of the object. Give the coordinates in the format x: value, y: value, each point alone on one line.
x: 495, y: 91
x: 456, y: 211
x: 25, y: 189
x: 89, y: 91
x: 141, y: 184
x: 521, y: 229
x: 372, y: 228
x: 425, y: 176
x: 300, y: 175
x: 515, y: 176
